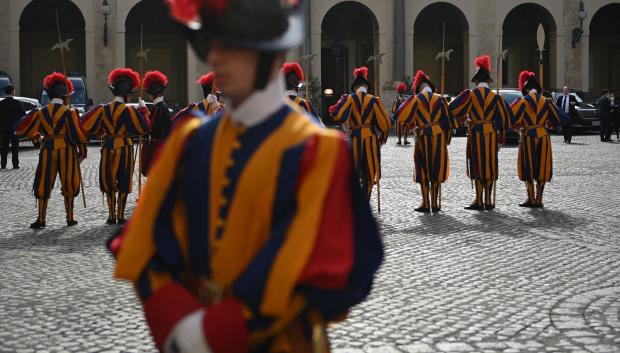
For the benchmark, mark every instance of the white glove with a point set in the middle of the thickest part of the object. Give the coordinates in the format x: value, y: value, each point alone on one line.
x: 141, y: 103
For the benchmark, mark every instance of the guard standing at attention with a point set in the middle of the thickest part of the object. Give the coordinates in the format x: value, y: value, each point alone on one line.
x: 155, y: 83
x: 293, y: 75
x: 400, y: 130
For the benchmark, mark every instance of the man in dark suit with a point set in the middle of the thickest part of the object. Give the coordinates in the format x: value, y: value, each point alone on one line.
x: 11, y: 110
x: 604, y: 108
x: 567, y: 103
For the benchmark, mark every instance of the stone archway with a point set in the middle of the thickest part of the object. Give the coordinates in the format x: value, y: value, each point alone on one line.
x: 519, y: 37
x: 427, y: 44
x: 605, y: 49
x: 164, y: 47
x: 349, y: 36
x: 38, y: 42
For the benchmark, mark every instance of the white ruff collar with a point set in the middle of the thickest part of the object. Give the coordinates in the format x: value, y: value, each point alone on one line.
x: 362, y: 89
x: 260, y: 105
x: 483, y: 84
x: 57, y: 101
x: 158, y: 100
x: 118, y: 99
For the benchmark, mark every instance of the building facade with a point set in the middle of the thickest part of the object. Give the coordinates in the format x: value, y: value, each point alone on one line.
x: 393, y: 38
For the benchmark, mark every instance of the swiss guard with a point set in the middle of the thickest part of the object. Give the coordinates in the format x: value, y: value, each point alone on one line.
x: 400, y: 130
x: 115, y: 123
x: 534, y: 114
x: 487, y: 116
x: 209, y: 105
x: 293, y: 75
x: 430, y: 117
x: 253, y: 235
x: 159, y: 116
x: 63, y: 146
x: 369, y: 125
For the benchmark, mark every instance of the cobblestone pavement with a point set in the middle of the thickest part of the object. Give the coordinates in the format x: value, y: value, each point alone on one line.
x: 512, y: 280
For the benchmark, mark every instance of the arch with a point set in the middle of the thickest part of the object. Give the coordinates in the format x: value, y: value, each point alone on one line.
x: 38, y: 35
x: 427, y: 44
x: 164, y: 46
x: 349, y: 36
x: 604, y: 55
x: 519, y: 29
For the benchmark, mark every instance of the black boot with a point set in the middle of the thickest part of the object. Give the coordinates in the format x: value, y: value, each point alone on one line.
x: 37, y: 225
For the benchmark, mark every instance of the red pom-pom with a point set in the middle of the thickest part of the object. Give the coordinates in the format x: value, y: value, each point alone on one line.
x: 118, y: 73
x: 189, y: 10
x: 361, y: 71
x: 418, y: 79
x: 294, y: 67
x: 55, y: 78
x: 523, y: 77
x: 154, y: 77
x: 207, y: 79
x: 401, y: 88
x: 483, y: 62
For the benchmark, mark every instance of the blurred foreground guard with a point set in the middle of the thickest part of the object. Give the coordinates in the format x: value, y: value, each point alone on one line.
x: 63, y: 146
x: 534, y: 115
x: 369, y: 125
x: 487, y: 116
x: 252, y: 233
x: 115, y: 123
x: 430, y: 117
x: 293, y: 74
x: 155, y: 83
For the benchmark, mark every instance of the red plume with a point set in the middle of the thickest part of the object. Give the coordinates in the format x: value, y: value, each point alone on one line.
x: 189, y: 10
x: 117, y: 73
x: 206, y: 79
x: 55, y: 78
x: 483, y: 62
x: 294, y: 67
x: 153, y: 77
x: 361, y: 71
x: 418, y: 79
x: 523, y: 77
x: 401, y: 88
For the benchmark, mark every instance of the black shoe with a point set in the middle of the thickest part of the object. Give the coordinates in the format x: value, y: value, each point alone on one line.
x: 407, y: 143
x: 37, y: 225
x: 111, y: 221
x: 526, y: 204
x: 71, y: 223
x: 538, y: 205
x: 436, y: 209
x: 423, y: 209
x: 399, y: 143
x: 122, y: 221
x: 3, y: 167
x: 474, y: 207
x: 16, y: 167
x: 489, y: 207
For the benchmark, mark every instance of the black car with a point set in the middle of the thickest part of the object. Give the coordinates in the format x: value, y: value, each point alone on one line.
x: 588, y: 116
x: 79, y: 99
x: 5, y: 80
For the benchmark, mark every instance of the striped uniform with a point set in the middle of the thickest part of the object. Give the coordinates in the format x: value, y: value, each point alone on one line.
x: 114, y: 122
x: 264, y: 223
x: 369, y: 124
x: 305, y: 105
x: 60, y: 129
x: 207, y: 106
x: 400, y: 130
x: 534, y: 114
x: 488, y: 113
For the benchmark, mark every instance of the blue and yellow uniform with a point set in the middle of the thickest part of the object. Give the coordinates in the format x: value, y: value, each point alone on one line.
x: 62, y: 141
x: 114, y: 123
x: 264, y: 226
x: 428, y: 114
x: 305, y: 105
x: 369, y: 125
x: 488, y: 115
x: 207, y: 107
x: 534, y: 114
x: 400, y: 129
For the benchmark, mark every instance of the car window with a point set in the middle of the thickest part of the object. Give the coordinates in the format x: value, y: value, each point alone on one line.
x: 28, y: 105
x: 45, y: 99
x: 579, y: 100
x: 510, y: 97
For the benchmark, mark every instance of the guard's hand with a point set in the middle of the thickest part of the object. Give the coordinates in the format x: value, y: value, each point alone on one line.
x: 141, y: 103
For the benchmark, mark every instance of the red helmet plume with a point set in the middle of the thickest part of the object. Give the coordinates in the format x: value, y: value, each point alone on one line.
x: 127, y: 73
x: 207, y: 79
x: 189, y: 10
x: 419, y: 77
x: 55, y: 78
x: 361, y: 71
x: 523, y: 77
x: 293, y: 67
x: 153, y: 77
x: 401, y: 88
x: 483, y: 62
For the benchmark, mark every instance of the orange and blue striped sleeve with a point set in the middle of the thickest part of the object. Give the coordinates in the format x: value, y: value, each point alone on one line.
x: 137, y: 122
x: 342, y: 110
x: 92, y: 122
x: 503, y: 114
x: 407, y: 111
x: 518, y: 112
x: 381, y: 116
x: 74, y: 130
x: 461, y: 105
x: 449, y: 121
x: 557, y: 116
x: 28, y: 126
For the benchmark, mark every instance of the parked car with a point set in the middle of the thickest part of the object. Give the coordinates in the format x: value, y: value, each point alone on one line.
x: 5, y: 80
x: 79, y: 99
x: 589, y: 118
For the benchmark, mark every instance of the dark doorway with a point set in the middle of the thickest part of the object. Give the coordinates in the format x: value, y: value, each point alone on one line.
x: 519, y: 38
x: 427, y: 44
x: 605, y: 49
x: 38, y: 42
x: 164, y: 47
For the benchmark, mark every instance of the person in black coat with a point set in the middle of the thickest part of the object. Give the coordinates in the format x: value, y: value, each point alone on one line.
x: 605, y: 111
x: 615, y: 104
x: 11, y: 111
x: 568, y: 103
